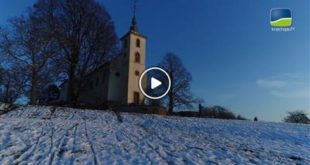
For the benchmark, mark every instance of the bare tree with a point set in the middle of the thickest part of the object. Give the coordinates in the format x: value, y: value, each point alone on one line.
x: 1, y: 73
x: 179, y: 94
x: 12, y: 83
x: 84, y: 31
x: 297, y: 117
x: 26, y: 47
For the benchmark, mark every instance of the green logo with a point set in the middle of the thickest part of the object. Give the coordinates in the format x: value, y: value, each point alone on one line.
x: 280, y: 17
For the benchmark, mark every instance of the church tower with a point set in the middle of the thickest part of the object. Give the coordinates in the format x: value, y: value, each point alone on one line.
x: 133, y: 46
x: 126, y: 68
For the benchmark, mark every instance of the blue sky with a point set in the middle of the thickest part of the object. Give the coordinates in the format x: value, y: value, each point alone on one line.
x: 235, y: 59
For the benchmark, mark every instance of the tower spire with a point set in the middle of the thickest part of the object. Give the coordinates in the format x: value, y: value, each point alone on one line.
x: 134, y: 26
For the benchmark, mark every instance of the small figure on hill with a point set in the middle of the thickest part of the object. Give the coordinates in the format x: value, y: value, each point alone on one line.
x: 200, y: 109
x: 255, y: 118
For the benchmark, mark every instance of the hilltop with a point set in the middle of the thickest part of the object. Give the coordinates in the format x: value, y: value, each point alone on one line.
x: 51, y: 135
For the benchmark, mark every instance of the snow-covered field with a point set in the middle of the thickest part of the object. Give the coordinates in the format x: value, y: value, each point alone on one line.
x: 45, y: 135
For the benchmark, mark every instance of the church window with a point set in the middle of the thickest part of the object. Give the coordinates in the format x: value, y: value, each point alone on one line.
x: 137, y: 73
x: 136, y: 97
x: 137, y: 58
x: 138, y: 43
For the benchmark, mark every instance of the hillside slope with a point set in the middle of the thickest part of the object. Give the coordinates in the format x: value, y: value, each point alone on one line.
x: 47, y: 135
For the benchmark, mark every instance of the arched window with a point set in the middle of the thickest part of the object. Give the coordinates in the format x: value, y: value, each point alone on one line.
x: 138, y: 43
x: 136, y: 98
x: 137, y: 58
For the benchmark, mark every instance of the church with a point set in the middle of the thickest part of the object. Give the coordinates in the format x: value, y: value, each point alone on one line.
x: 116, y: 82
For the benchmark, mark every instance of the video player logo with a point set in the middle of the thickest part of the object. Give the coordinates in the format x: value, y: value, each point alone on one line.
x: 154, y: 83
x: 280, y: 17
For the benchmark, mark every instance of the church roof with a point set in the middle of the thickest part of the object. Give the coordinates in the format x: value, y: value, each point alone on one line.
x: 134, y: 25
x: 135, y: 33
x: 133, y: 28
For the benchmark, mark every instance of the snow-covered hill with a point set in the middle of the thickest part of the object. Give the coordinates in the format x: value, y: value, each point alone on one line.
x: 47, y: 135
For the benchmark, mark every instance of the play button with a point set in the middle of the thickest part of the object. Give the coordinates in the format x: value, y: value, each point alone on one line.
x: 154, y: 83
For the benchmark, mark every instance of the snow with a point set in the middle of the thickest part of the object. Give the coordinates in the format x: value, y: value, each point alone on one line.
x: 49, y: 135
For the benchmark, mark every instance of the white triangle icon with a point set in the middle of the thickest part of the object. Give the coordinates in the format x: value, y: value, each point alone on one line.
x: 155, y: 83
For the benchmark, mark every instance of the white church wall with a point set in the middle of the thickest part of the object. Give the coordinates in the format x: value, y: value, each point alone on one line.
x: 133, y: 82
x: 118, y: 78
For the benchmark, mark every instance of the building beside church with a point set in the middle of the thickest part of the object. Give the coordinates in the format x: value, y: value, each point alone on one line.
x: 116, y: 82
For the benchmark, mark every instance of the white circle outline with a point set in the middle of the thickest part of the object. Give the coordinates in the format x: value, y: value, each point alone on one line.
x: 140, y: 83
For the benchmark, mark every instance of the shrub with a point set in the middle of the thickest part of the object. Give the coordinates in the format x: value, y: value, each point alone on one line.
x: 218, y: 112
x: 297, y: 117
